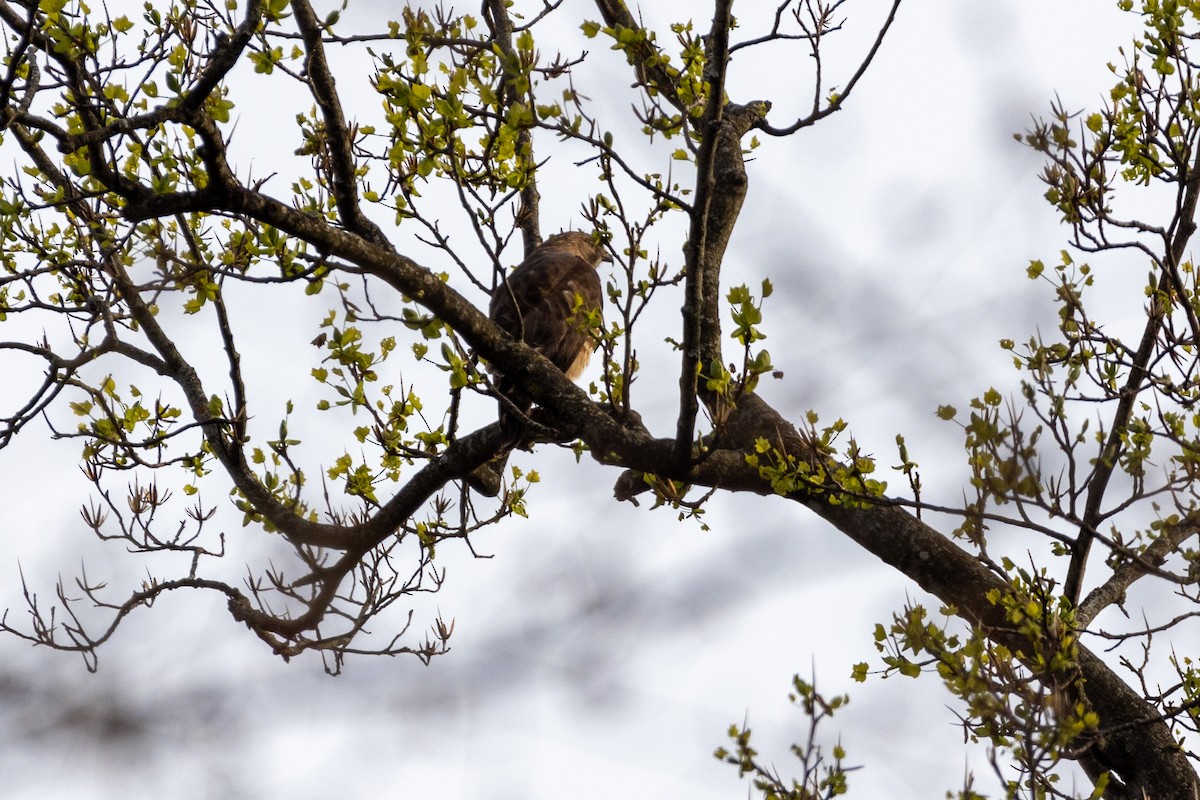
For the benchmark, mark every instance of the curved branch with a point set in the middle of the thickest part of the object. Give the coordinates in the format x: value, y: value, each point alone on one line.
x: 839, y: 101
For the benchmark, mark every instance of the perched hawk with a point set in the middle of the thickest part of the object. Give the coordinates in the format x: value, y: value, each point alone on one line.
x: 545, y: 302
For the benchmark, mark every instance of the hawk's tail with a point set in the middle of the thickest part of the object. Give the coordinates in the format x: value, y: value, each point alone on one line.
x: 512, y: 424
x: 487, y: 478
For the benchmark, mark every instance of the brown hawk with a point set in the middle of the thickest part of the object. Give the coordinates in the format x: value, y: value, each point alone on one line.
x: 546, y: 302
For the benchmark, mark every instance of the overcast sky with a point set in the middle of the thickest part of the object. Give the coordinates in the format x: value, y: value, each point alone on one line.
x: 604, y: 650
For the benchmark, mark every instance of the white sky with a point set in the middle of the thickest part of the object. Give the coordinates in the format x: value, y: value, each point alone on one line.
x: 604, y: 650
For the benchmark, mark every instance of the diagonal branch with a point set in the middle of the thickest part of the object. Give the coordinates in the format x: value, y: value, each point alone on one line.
x: 223, y: 58
x: 651, y: 68
x: 344, y: 175
x: 1136, y: 743
x: 1183, y: 226
x: 1113, y: 590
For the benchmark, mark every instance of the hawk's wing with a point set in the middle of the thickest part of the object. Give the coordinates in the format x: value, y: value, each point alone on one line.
x: 545, y: 303
x: 536, y: 305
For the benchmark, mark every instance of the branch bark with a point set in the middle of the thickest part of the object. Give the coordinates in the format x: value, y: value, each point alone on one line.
x: 338, y: 141
x: 702, y: 273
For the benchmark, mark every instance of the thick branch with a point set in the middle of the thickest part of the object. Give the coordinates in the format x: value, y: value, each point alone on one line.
x: 1135, y: 741
x: 728, y: 191
x: 338, y: 142
x: 695, y: 288
x: 724, y: 190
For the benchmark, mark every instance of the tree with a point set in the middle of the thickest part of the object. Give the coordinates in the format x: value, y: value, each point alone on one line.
x: 139, y: 228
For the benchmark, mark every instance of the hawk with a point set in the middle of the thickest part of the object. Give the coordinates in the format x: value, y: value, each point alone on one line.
x: 546, y: 302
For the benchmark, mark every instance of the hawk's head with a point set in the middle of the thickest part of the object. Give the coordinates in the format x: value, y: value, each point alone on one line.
x: 580, y: 244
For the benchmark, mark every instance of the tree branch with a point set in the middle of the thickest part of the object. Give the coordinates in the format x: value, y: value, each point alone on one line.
x: 836, y: 104
x: 696, y: 284
x: 1182, y: 228
x: 337, y: 134
x: 529, y: 215
x: 651, y: 69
